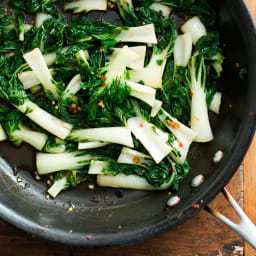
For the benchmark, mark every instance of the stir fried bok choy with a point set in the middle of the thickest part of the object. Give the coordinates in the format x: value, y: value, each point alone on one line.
x: 121, y: 103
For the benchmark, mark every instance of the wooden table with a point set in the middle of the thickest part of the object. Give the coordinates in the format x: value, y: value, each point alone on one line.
x: 203, y: 235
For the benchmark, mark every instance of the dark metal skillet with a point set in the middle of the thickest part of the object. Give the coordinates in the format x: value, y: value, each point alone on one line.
x: 141, y: 214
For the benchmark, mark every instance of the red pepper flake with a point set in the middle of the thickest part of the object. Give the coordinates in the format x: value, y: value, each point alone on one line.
x: 15, y: 171
x: 104, y: 85
x: 136, y: 9
x: 102, y: 78
x: 196, y: 206
x: 181, y: 145
x: 191, y: 94
x: 159, y: 39
x: 89, y: 237
x: 99, y: 74
x: 94, y: 199
x: 23, y: 43
x: 173, y: 124
x: 141, y: 125
x: 136, y: 159
x: 171, y: 169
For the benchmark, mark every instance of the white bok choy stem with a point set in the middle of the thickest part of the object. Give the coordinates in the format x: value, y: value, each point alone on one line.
x: 49, y: 163
x: 33, y: 138
x: 130, y: 156
x: 50, y: 58
x: 37, y: 63
x: 28, y: 79
x: 216, y: 103
x: 47, y: 121
x: 115, y: 135
x: 199, y: 111
x: 183, y: 134
x: 86, y: 5
x: 73, y: 87
x: 56, y: 148
x: 141, y: 34
x: 91, y: 145
x: 156, y: 108
x: 3, y: 135
x: 166, y: 11
x: 97, y: 167
x: 75, y: 84
x: 137, y: 63
x: 152, y: 74
x: 144, y: 132
x: 27, y: 27
x: 195, y: 27
x: 119, y: 63
x: 57, y: 187
x: 183, y: 50
x: 124, y: 3
x: 142, y: 92
x: 131, y: 182
x: 40, y: 18
x: 217, y: 65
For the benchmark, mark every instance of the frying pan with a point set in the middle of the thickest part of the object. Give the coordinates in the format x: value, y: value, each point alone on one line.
x: 141, y: 214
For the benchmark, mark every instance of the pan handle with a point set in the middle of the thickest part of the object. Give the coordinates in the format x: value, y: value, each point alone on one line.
x: 246, y: 229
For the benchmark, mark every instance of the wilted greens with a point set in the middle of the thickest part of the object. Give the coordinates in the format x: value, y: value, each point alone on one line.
x: 120, y: 102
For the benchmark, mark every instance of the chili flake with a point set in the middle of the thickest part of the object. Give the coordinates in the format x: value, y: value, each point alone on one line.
x: 141, y: 125
x: 103, y: 77
x: 195, y: 206
x: 75, y: 109
x: 136, y: 159
x: 104, y: 85
x: 171, y: 169
x: 191, y: 94
x: 180, y: 145
x: 173, y: 124
x: 15, y: 171
x: 89, y: 237
x: 101, y: 104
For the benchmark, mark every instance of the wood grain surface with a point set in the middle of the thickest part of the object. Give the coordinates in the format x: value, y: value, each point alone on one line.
x: 203, y: 235
x: 250, y: 189
x: 250, y: 167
